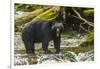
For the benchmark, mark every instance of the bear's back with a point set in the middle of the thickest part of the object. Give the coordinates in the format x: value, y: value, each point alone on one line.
x: 36, y: 30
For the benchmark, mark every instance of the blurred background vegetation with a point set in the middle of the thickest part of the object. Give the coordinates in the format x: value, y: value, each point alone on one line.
x: 78, y: 21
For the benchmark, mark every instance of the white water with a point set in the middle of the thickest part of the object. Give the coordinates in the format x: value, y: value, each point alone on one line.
x: 55, y: 58
x: 23, y: 59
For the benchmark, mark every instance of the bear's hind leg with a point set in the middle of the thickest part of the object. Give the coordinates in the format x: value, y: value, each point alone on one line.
x: 30, y: 49
x: 45, y: 46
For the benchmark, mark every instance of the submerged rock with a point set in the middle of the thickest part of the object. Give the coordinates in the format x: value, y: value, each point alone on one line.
x: 87, y: 56
x: 50, y: 58
x: 68, y: 56
x: 22, y: 59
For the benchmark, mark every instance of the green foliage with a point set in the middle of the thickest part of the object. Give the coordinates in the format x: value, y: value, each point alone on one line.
x: 48, y: 15
x: 90, y: 36
x: 26, y: 18
x: 72, y: 23
x: 89, y: 40
x: 77, y: 49
x: 51, y: 14
x: 89, y: 14
x: 38, y: 13
x: 84, y: 46
x: 27, y: 7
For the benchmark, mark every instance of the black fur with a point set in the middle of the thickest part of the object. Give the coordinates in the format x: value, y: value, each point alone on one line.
x: 41, y: 31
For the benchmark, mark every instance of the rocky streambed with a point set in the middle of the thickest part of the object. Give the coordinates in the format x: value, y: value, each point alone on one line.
x: 21, y: 58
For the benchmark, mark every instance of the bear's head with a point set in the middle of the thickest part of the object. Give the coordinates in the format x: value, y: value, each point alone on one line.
x: 57, y: 28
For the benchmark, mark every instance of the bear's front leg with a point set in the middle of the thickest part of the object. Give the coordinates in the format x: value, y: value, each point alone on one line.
x: 57, y: 44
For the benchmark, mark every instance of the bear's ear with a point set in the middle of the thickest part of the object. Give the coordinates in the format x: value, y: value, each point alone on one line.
x: 52, y: 24
x: 62, y: 26
x: 52, y: 27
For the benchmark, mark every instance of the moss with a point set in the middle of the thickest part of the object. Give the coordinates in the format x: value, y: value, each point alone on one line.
x: 77, y: 49
x: 48, y: 15
x: 88, y: 12
x: 90, y: 36
x: 26, y: 7
x: 72, y: 49
x: 37, y: 10
x: 89, y: 40
x: 26, y: 18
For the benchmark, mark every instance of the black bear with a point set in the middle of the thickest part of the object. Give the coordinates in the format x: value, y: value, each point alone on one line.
x: 42, y: 31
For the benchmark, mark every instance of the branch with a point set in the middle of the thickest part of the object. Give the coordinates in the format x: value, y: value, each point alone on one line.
x: 89, y: 23
x: 81, y: 24
x: 28, y: 17
x: 83, y: 27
